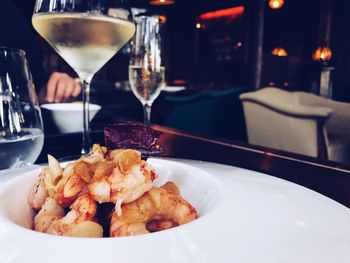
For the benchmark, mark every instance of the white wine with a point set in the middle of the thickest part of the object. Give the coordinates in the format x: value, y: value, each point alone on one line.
x: 85, y: 41
x: 146, y: 84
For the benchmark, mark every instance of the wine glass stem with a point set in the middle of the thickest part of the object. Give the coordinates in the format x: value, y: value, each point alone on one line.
x: 147, y: 114
x: 86, y: 147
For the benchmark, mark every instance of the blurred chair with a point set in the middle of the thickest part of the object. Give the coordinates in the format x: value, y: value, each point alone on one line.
x: 216, y: 113
x: 298, y: 122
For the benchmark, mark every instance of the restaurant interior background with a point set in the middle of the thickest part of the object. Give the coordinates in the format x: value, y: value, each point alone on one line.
x: 221, y: 49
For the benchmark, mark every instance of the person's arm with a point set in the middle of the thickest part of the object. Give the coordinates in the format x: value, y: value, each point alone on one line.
x: 61, y: 87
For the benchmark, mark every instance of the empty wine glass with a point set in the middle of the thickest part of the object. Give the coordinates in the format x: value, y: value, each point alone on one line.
x: 21, y: 127
x: 146, y: 68
x: 86, y: 34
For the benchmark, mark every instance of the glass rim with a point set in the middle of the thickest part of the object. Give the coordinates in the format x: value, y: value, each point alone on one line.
x: 12, y: 50
x: 36, y: 14
x: 147, y: 17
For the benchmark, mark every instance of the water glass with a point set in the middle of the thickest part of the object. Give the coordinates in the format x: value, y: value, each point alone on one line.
x: 21, y: 127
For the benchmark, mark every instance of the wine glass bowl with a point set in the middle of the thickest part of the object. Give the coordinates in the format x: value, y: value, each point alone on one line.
x: 86, y: 35
x: 146, y: 67
x: 21, y: 127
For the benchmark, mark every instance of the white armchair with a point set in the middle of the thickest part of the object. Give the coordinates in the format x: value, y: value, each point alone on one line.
x: 298, y: 122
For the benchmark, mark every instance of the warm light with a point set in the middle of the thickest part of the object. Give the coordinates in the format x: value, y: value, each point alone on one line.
x: 322, y: 54
x: 162, y: 19
x: 230, y: 12
x: 276, y: 4
x: 162, y: 2
x: 179, y: 82
x: 198, y: 25
x: 239, y: 44
x: 280, y: 52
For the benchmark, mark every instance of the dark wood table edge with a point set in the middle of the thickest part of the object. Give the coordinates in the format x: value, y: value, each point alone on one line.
x: 325, y: 164
x: 329, y: 178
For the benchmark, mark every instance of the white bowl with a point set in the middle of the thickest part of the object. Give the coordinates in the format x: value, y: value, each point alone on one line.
x: 244, y: 216
x: 68, y: 117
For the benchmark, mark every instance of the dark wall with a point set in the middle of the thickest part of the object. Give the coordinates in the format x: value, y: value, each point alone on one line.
x: 340, y: 43
x: 180, y: 42
x: 296, y: 26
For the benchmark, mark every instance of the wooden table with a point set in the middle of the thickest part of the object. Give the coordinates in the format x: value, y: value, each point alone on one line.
x: 328, y: 178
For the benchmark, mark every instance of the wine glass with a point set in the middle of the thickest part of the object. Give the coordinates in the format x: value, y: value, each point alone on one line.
x: 146, y: 67
x: 86, y: 34
x: 21, y: 127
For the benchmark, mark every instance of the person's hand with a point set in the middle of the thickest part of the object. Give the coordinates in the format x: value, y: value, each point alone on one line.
x: 60, y: 87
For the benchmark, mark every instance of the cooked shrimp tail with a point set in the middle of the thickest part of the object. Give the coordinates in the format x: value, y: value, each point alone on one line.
x: 39, y: 193
x: 122, y: 179
x: 79, y: 221
x: 156, y: 210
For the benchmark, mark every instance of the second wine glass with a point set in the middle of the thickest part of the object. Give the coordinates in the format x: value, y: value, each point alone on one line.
x: 21, y: 127
x: 146, y: 68
x: 86, y: 34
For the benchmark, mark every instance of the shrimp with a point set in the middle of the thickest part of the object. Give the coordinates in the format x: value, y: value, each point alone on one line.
x: 159, y: 225
x: 76, y: 176
x: 97, y: 155
x: 72, y: 183
x: 122, y: 180
x: 47, y: 184
x: 79, y: 221
x: 49, y: 213
x: 44, y: 185
x: 39, y: 193
x: 157, y: 209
